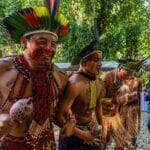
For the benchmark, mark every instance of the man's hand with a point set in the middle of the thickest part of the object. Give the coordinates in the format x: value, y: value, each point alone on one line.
x: 133, y: 97
x: 86, y: 136
x: 91, y: 139
x: 5, y: 124
x: 128, y: 98
x: 67, y: 130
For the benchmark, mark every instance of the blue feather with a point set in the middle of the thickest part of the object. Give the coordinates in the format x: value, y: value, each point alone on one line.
x: 52, y: 5
x: 47, y: 3
x: 95, y: 31
x: 56, y: 7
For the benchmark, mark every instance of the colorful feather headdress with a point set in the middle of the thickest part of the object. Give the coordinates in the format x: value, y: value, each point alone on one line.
x: 35, y: 20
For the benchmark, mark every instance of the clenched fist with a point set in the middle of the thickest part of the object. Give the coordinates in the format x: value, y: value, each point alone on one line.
x: 67, y: 130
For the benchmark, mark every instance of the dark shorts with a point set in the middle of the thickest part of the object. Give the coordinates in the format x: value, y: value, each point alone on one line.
x: 74, y: 143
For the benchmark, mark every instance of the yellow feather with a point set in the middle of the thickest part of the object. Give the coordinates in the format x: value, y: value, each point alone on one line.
x: 61, y: 19
x: 41, y: 11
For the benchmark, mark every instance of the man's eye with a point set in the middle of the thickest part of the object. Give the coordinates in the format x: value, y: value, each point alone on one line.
x: 42, y: 42
x: 53, y: 43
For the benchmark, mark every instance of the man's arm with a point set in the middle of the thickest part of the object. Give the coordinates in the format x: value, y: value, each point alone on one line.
x: 64, y: 105
x: 8, y: 75
x: 6, y: 64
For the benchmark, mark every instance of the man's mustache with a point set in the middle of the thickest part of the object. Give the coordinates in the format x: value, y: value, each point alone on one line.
x: 42, y: 52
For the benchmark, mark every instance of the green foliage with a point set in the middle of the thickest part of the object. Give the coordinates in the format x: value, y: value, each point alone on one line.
x: 145, y: 76
x: 123, y: 25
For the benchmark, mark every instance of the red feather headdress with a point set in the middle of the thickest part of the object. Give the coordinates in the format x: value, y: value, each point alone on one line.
x: 30, y: 20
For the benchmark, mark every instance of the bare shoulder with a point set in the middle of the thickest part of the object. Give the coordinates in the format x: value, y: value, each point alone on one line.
x: 6, y: 64
x: 74, y: 85
x: 60, y: 72
x: 107, y: 75
x: 60, y: 76
x: 108, y: 78
x: 75, y: 82
x: 77, y: 79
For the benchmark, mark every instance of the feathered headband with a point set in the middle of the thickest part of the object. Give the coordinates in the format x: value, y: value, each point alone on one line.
x: 35, y: 20
x: 132, y: 64
x: 94, y: 46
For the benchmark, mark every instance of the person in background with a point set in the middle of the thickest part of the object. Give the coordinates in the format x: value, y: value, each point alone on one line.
x: 112, y: 118
x: 131, y: 95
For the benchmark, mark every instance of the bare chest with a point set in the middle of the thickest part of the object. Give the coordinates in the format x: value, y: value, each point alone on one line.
x: 14, y: 86
x: 89, y: 94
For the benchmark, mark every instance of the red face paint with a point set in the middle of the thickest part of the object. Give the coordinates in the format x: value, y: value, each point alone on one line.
x: 41, y: 47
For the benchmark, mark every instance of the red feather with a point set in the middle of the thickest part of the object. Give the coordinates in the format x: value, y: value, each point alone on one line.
x: 64, y: 30
x: 32, y: 19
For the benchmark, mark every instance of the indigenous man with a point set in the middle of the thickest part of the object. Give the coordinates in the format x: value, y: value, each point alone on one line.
x: 111, y: 120
x: 33, y: 74
x: 82, y: 97
x: 130, y: 110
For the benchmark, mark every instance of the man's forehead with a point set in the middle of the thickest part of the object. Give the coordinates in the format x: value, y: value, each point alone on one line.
x: 97, y: 54
x: 44, y: 35
x: 126, y: 69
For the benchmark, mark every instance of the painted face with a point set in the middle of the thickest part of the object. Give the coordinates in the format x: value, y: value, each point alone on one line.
x: 41, y: 48
x: 93, y: 63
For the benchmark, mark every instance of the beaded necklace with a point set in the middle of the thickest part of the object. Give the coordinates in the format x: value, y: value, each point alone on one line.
x: 28, y: 142
x: 44, y: 89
